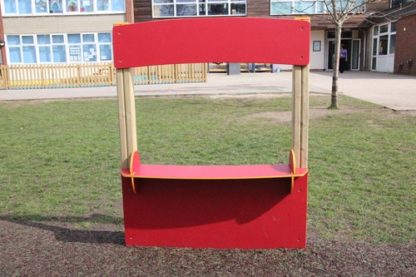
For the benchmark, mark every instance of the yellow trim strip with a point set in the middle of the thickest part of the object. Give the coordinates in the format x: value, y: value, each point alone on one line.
x: 133, y: 185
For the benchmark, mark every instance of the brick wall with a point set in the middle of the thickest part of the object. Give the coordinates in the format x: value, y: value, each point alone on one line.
x: 405, y: 53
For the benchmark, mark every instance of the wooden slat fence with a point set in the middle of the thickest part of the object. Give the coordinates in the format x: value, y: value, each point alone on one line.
x: 92, y: 75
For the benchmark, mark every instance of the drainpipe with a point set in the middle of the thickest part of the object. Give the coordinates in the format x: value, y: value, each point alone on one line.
x: 129, y: 11
x: 364, y: 51
x: 3, y: 59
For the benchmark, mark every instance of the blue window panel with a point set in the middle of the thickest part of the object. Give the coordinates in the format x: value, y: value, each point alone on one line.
x: 44, y: 39
x: 10, y: 6
x: 15, y: 55
x: 118, y: 5
x: 304, y: 7
x: 89, y: 53
x: 72, y: 5
x: 59, y: 54
x: 88, y: 38
x: 57, y: 39
x: 186, y: 10
x: 320, y: 7
x: 281, y: 8
x: 41, y: 6
x: 25, y: 6
x: 28, y: 40
x: 102, y: 5
x: 13, y: 40
x: 341, y: 4
x: 360, y: 6
x: 164, y: 10
x: 217, y: 9
x: 55, y: 6
x: 45, y: 54
x: 238, y: 8
x: 74, y: 38
x: 86, y: 6
x: 105, y: 53
x: 29, y: 54
x: 104, y: 37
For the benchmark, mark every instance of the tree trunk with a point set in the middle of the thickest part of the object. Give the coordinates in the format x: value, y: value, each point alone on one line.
x: 335, y: 67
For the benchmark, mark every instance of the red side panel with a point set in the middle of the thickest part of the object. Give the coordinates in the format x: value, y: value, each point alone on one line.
x: 260, y: 213
x: 201, y: 40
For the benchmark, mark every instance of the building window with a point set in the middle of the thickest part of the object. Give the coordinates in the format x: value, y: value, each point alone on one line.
x: 382, y: 45
x: 191, y: 8
x: 392, y: 45
x: 17, y: 6
x: 282, y: 7
x: 59, y: 48
x: 285, y: 7
x: 384, y: 41
x: 36, y: 7
x: 28, y: 49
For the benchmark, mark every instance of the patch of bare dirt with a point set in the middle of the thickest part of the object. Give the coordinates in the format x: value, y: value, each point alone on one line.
x: 250, y: 96
x: 41, y: 249
x: 284, y: 117
x: 406, y: 113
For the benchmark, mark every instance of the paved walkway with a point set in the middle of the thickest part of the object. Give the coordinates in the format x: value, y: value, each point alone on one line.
x: 393, y: 91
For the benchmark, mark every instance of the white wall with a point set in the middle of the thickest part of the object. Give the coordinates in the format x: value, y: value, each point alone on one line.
x: 385, y: 63
x: 317, y: 59
x: 60, y: 24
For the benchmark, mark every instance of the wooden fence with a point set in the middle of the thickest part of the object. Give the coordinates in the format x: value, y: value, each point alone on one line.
x: 91, y: 75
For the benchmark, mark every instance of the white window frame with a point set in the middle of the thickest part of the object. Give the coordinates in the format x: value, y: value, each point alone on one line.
x: 64, y: 10
x: 20, y: 46
x: 377, y: 36
x: 294, y: 12
x: 37, y: 45
x: 64, y: 43
x: 83, y: 43
x: 104, y: 43
x: 197, y: 3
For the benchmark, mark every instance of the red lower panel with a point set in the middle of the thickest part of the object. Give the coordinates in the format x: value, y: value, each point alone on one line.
x: 258, y: 213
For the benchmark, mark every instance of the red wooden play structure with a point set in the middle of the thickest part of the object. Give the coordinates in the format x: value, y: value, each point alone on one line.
x: 222, y: 206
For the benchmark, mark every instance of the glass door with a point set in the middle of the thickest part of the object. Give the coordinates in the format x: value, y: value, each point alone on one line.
x: 346, y: 44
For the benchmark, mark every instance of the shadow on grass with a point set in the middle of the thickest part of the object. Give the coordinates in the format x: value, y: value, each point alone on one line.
x: 67, y: 234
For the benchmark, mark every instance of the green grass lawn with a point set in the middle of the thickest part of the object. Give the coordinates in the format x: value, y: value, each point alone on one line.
x: 62, y: 158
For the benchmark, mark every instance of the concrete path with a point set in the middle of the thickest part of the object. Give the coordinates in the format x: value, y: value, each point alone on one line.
x: 393, y: 91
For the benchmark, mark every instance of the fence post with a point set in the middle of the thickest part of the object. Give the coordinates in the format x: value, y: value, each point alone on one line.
x: 78, y: 76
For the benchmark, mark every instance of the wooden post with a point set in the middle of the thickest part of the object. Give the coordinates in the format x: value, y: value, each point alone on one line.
x: 130, y: 108
x: 122, y: 118
x: 7, y: 73
x: 304, y: 117
x: 296, y: 111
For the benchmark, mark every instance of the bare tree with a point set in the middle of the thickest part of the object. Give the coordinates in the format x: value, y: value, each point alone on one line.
x: 340, y: 11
